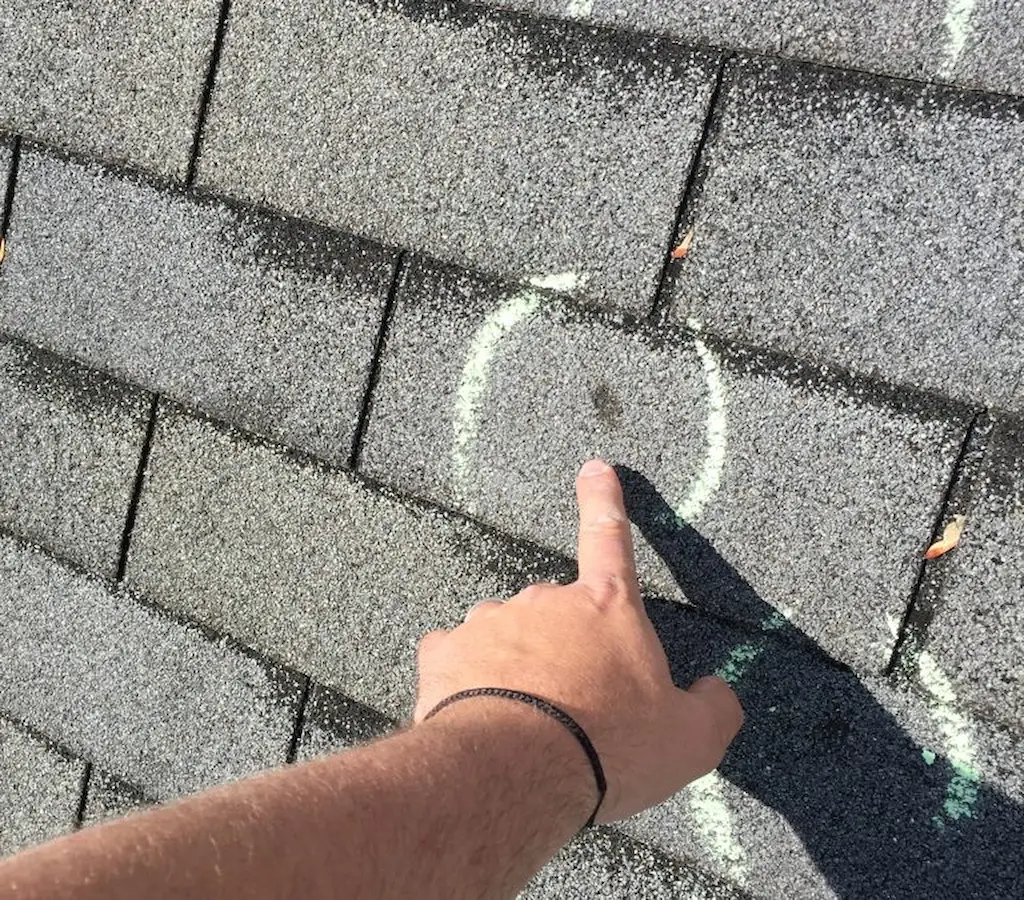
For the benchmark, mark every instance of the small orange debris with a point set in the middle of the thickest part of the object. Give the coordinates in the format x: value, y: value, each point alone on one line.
x: 3, y: 250
x: 950, y: 538
x: 684, y: 245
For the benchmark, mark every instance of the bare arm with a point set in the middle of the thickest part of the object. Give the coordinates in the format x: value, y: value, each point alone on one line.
x: 470, y: 803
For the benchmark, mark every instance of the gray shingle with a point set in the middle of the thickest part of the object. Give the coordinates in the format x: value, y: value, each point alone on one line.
x: 335, y: 722
x: 70, y: 441
x: 136, y: 692
x: 528, y: 149
x: 976, y: 45
x: 39, y: 790
x: 978, y: 631
x: 119, y: 79
x: 261, y: 320
x: 6, y: 148
x: 839, y: 786
x: 490, y: 398
x: 872, y: 224
x: 603, y: 863
x: 110, y: 797
x: 305, y: 563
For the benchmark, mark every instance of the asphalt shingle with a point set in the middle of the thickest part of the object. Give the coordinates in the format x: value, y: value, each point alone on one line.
x: 335, y: 722
x: 39, y: 789
x: 6, y: 153
x: 869, y: 223
x: 526, y: 148
x: 490, y: 397
x: 115, y: 272
x: 70, y: 441
x: 838, y: 786
x: 975, y: 45
x: 306, y: 563
x: 141, y: 695
x: 977, y: 634
x: 110, y: 797
x: 120, y: 79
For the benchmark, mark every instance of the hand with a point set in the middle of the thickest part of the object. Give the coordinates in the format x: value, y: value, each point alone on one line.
x: 590, y: 649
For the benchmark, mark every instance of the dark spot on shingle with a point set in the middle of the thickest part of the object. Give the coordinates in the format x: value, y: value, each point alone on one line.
x: 607, y: 405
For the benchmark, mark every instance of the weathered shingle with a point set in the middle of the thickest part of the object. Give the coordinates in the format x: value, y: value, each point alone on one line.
x: 489, y: 399
x: 110, y: 797
x: 872, y: 224
x: 70, y: 441
x: 261, y: 320
x: 976, y: 45
x: 120, y: 79
x: 39, y: 789
x: 526, y: 148
x: 307, y: 563
x: 839, y: 786
x: 977, y: 634
x: 140, y: 694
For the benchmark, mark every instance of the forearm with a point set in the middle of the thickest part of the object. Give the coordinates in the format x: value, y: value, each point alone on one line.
x: 470, y: 804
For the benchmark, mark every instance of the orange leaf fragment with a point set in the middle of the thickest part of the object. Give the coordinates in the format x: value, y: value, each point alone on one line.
x: 684, y: 245
x: 3, y: 249
x: 950, y: 538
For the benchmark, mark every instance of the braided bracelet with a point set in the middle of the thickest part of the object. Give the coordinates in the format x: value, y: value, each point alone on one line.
x: 557, y: 714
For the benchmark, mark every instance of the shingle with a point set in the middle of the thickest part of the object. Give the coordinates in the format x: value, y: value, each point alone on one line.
x: 526, y: 148
x: 70, y: 441
x: 306, y: 563
x: 839, y: 786
x: 976, y: 45
x: 39, y: 789
x: 604, y: 863
x: 261, y: 320
x: 335, y: 722
x: 872, y: 224
x: 489, y: 398
x: 144, y: 696
x: 6, y: 152
x: 977, y: 634
x: 121, y: 80
x: 110, y: 797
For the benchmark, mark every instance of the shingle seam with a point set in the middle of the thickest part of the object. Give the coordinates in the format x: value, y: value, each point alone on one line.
x: 924, y: 599
x: 11, y: 182
x: 373, y: 371
x: 83, y: 794
x: 133, y: 501
x: 684, y: 209
x: 42, y: 737
x: 300, y: 721
x: 207, y: 94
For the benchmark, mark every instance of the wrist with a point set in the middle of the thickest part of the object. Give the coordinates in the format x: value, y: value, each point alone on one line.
x: 534, y: 750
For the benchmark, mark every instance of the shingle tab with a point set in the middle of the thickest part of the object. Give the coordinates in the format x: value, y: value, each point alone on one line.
x: 70, y: 441
x: 306, y: 563
x: 526, y: 148
x: 335, y: 722
x: 261, y: 320
x: 138, y: 693
x: 489, y: 398
x: 872, y: 224
x: 120, y: 79
x: 39, y: 790
x: 838, y: 786
x: 975, y: 45
x: 977, y: 634
x: 110, y: 797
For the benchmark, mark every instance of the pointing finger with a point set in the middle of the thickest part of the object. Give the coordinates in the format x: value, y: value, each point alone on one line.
x: 605, y: 543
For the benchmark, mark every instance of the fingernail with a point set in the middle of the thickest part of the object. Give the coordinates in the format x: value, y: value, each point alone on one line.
x: 594, y: 467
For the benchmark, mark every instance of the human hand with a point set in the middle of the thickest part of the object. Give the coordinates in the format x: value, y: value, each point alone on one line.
x: 590, y: 649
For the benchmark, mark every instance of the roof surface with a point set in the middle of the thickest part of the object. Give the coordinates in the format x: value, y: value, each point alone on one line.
x: 309, y: 312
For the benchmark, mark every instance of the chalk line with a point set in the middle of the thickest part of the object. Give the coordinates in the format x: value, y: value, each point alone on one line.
x: 958, y: 29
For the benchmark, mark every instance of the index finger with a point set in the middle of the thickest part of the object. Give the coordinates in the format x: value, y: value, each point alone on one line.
x: 605, y: 550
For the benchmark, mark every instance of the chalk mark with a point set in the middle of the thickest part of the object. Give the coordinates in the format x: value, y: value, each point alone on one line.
x: 959, y: 29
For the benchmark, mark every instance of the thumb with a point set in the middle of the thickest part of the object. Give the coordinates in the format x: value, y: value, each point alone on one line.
x: 709, y: 716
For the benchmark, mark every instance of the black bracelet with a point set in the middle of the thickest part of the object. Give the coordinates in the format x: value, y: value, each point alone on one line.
x: 555, y: 713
